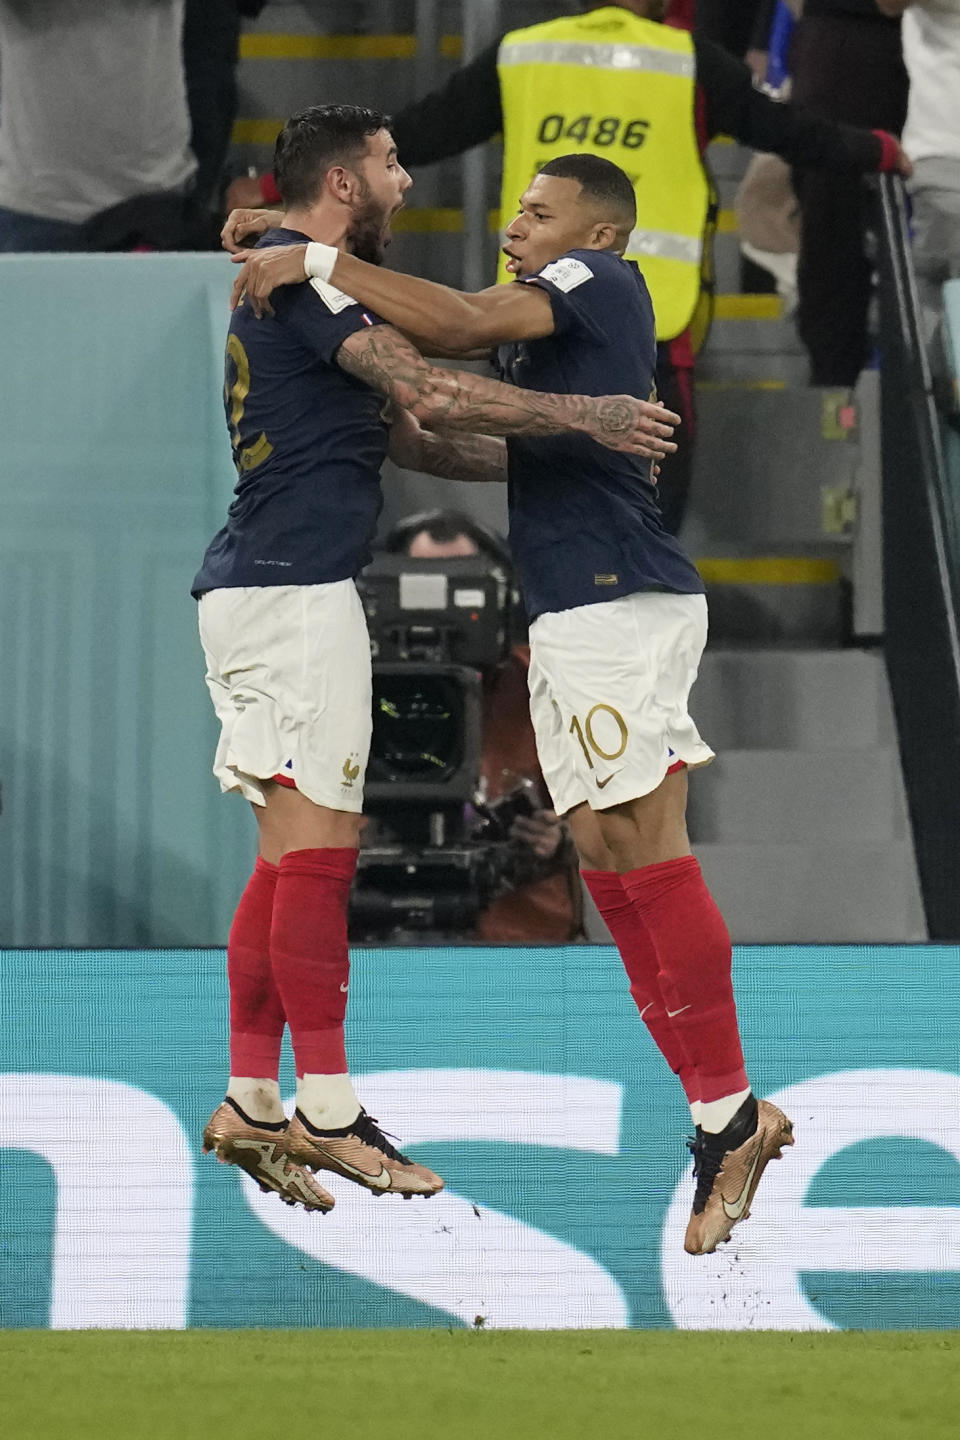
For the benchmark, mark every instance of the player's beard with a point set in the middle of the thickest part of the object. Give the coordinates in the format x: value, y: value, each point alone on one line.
x: 366, y: 233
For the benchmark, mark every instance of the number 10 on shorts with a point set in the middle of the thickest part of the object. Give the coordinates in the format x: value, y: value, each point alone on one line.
x: 587, y: 737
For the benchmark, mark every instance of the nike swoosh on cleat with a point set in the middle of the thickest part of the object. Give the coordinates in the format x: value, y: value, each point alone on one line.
x: 380, y: 1182
x: 735, y: 1210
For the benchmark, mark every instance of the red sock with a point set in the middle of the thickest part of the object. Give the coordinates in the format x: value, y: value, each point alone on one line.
x: 308, y: 949
x: 256, y: 1010
x: 641, y: 962
x: 693, y: 946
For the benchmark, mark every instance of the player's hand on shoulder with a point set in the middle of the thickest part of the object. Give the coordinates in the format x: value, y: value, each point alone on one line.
x: 242, y: 226
x: 263, y: 270
x: 639, y: 427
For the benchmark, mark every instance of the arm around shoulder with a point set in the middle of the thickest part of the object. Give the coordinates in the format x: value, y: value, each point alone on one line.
x: 457, y: 400
x: 452, y: 320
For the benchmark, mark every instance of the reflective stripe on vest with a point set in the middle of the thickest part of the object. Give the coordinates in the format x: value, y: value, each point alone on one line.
x: 610, y: 84
x: 685, y: 248
x: 601, y: 57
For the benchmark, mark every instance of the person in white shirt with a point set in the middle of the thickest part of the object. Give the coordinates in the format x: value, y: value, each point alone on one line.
x: 94, y: 116
x: 931, y: 137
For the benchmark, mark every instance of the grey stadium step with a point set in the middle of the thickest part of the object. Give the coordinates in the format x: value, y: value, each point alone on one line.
x: 787, y: 797
x: 802, y: 700
x: 801, y: 823
x: 762, y: 462
x: 742, y: 369
x: 858, y: 892
x: 742, y: 612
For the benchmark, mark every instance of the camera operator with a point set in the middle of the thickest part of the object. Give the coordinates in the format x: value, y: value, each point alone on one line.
x: 544, y: 904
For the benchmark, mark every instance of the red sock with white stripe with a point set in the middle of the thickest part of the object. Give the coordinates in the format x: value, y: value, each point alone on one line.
x: 311, y: 966
x: 256, y: 1010
x: 695, y: 958
x: 641, y: 962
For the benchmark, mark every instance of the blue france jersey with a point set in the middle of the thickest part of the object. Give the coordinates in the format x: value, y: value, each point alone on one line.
x: 585, y: 524
x: 308, y: 443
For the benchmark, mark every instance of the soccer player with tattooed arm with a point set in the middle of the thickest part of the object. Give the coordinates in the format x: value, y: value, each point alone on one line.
x: 316, y: 395
x: 616, y: 82
x: 618, y: 626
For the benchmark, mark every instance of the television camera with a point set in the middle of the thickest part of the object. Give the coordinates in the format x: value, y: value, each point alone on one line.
x: 433, y: 853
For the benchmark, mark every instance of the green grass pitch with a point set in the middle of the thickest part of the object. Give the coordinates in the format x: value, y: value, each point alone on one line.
x: 493, y: 1385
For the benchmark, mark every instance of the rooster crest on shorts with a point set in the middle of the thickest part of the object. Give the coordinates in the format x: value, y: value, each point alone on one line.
x: 350, y: 772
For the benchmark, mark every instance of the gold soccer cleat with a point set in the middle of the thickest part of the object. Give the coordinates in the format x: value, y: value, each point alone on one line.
x: 362, y: 1153
x: 728, y: 1171
x: 261, y: 1150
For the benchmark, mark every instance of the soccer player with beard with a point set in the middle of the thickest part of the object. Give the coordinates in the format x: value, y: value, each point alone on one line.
x: 310, y: 396
x: 618, y: 625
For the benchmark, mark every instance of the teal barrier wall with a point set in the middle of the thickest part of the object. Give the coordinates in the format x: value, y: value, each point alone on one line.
x: 526, y: 1078
x: 114, y: 474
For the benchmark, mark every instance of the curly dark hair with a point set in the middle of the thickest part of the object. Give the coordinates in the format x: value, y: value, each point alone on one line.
x: 316, y: 139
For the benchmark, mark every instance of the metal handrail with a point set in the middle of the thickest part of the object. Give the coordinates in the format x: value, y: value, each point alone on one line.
x: 897, y: 248
x: 921, y: 575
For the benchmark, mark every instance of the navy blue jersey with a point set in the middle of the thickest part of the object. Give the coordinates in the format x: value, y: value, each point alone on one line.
x: 308, y: 443
x: 585, y: 524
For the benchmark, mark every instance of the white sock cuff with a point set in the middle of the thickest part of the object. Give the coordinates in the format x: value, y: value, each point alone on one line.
x: 328, y: 1101
x: 715, y: 1115
x: 258, y: 1098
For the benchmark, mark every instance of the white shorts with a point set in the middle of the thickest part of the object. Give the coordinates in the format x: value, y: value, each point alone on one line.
x: 288, y: 670
x: 609, y: 685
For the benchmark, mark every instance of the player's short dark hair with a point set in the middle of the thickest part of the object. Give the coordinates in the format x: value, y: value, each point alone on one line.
x: 600, y: 181
x: 316, y: 139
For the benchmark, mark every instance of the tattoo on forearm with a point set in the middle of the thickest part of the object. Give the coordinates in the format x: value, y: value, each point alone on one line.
x: 464, y: 457
x: 459, y: 400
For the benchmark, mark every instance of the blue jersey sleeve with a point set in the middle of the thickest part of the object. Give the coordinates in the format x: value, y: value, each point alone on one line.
x: 322, y: 317
x: 578, y: 292
x: 590, y: 293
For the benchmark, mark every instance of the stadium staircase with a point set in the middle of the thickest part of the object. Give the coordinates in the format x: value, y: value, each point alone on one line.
x: 801, y: 824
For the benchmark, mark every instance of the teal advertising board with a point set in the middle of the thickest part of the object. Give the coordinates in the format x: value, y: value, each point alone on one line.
x: 525, y: 1077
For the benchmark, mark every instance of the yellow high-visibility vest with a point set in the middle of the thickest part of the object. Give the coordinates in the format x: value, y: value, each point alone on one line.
x: 608, y: 83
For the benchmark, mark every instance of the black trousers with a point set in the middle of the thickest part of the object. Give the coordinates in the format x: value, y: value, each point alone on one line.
x: 851, y: 70
x: 730, y: 23
x: 211, y: 37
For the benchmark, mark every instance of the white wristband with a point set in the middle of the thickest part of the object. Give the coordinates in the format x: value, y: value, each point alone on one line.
x: 320, y: 260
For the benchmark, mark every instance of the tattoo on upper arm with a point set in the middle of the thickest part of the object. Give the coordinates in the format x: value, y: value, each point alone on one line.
x: 385, y: 360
